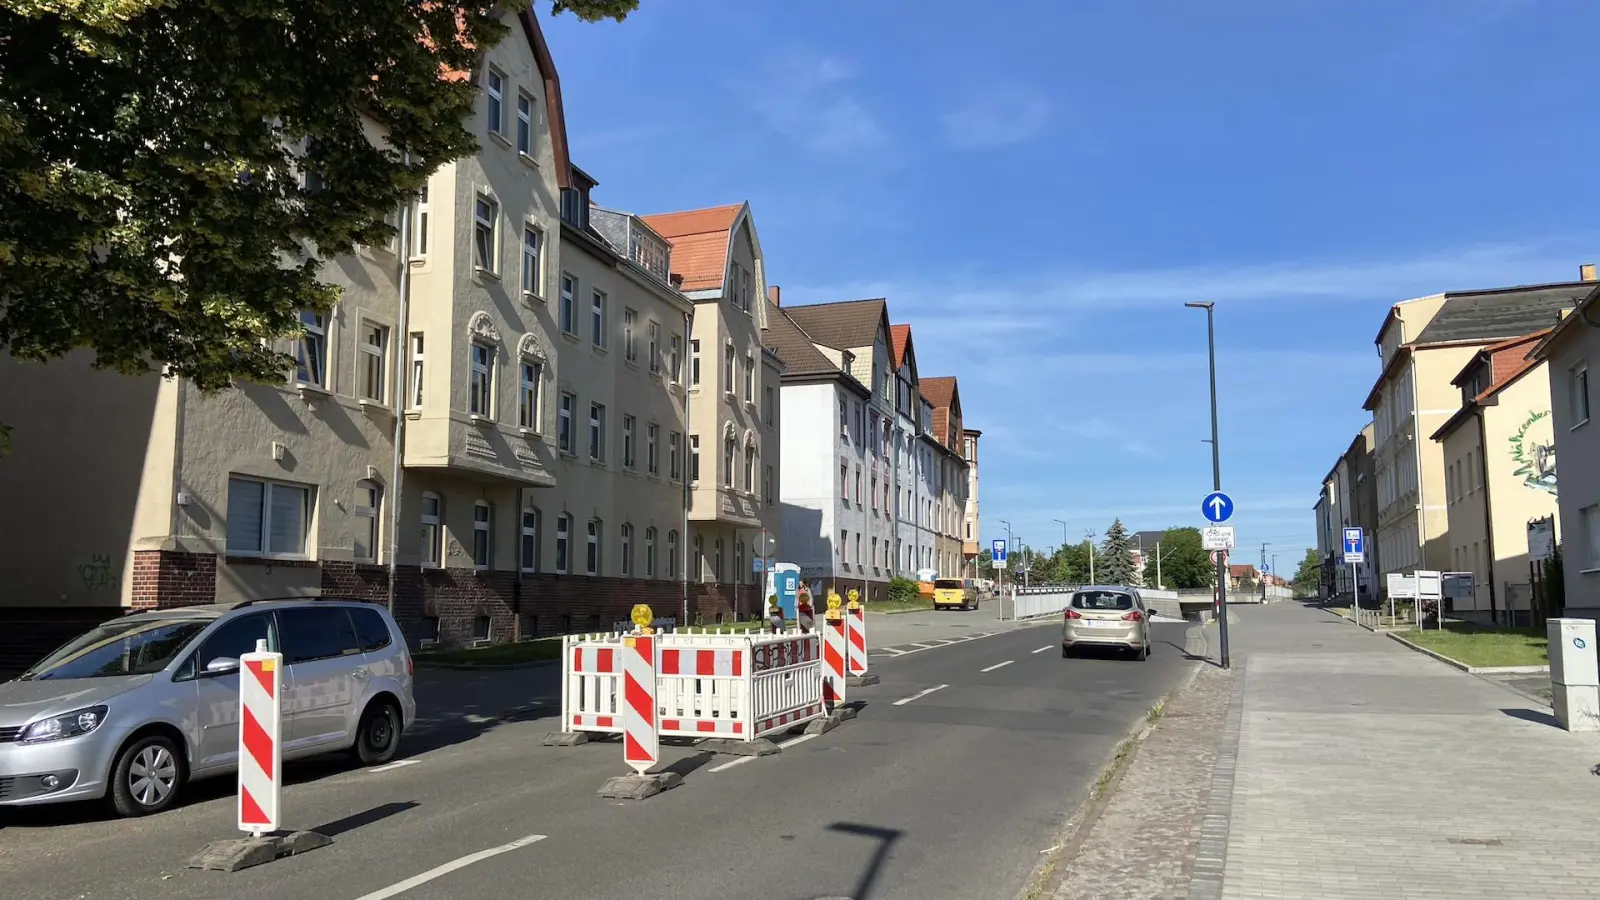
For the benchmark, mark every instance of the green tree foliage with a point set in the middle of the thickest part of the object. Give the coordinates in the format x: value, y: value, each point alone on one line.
x: 152, y: 206
x: 1114, y: 562
x: 1070, y: 564
x: 1185, y: 564
x: 1308, y: 578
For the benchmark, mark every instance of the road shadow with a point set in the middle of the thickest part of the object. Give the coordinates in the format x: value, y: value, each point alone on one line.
x: 1187, y: 654
x: 362, y: 819
x: 885, y: 838
x: 1535, y: 716
x: 689, y: 764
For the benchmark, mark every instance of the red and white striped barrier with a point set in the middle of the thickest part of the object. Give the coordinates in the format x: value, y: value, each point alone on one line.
x: 856, y: 631
x: 260, y: 740
x: 835, y: 661
x: 703, y: 690
x: 641, y: 739
x: 591, y: 684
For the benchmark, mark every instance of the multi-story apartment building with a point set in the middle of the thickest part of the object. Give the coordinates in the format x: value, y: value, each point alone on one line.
x: 949, y: 473
x: 971, y: 521
x: 912, y: 459
x: 734, y: 382
x: 832, y: 468
x: 1361, y: 508
x: 1422, y: 345
x: 1500, y: 475
x: 1568, y: 354
x: 854, y: 336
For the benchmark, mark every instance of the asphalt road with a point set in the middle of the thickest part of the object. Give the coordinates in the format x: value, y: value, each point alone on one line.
x: 956, y: 775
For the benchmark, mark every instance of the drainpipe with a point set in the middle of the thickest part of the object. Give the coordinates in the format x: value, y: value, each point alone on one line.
x: 401, y: 346
x: 1488, y: 512
x: 683, y: 447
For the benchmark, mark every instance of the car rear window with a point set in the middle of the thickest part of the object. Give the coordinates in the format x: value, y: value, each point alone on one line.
x: 371, y: 629
x: 1109, y: 601
x: 947, y: 584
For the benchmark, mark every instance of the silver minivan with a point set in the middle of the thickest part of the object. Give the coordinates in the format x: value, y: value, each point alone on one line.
x: 135, y: 708
x: 1113, y: 617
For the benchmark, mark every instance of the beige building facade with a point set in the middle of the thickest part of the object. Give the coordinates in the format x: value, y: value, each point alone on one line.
x: 950, y: 478
x: 971, y: 518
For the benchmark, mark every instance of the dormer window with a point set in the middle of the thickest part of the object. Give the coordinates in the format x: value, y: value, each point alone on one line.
x: 575, y: 206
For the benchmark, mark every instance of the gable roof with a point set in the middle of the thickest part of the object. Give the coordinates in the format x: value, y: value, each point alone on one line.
x: 700, y: 239
x: 845, y: 325
x: 1582, y: 310
x: 794, y: 347
x: 1507, y: 361
x: 553, y: 110
x: 940, y: 390
x: 899, y: 338
x: 940, y: 393
x: 1502, y: 313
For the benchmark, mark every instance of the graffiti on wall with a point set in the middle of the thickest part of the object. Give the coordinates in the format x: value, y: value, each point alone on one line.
x: 97, y: 574
x: 1533, y: 449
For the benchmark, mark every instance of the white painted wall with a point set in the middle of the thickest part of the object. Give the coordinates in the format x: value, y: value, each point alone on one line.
x: 810, y: 517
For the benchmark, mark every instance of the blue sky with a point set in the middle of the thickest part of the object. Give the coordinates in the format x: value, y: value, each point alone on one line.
x: 1038, y: 191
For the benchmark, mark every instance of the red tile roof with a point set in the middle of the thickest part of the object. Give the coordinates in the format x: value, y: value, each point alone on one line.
x: 1508, y: 361
x: 899, y: 339
x: 699, y: 239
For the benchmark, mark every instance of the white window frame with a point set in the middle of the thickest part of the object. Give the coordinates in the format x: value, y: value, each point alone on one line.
x: 1578, y: 384
x: 374, y: 362
x: 597, y: 432
x: 730, y: 449
x: 593, y: 562
x: 769, y: 401
x: 630, y: 343
x: 675, y: 456
x: 567, y: 304
x: 694, y: 363
x: 730, y: 362
x: 416, y: 392
x: 482, y: 530
x: 767, y: 477
x: 650, y: 551
x: 625, y: 548
x: 494, y: 89
x: 565, y: 412
x: 480, y: 384
x: 532, y: 262
x: 655, y: 348
x: 597, y: 318
x: 672, y: 553
x: 563, y: 543
x: 749, y: 378
x: 675, y: 358
x: 530, y: 373
x: 652, y: 449
x: 629, y: 457
x: 368, y: 506
x: 750, y: 463
x: 432, y: 555
x: 525, y: 115
x: 312, y: 368
x: 694, y: 459
x: 528, y: 529
x: 419, y: 242
x: 485, y: 234
x: 268, y: 486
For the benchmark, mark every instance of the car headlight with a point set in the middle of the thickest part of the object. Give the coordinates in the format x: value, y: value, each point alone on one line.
x: 57, y: 728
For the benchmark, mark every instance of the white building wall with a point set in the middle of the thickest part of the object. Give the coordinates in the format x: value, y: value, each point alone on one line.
x: 810, y: 517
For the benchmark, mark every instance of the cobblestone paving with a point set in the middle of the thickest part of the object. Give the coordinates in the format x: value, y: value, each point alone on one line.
x: 1143, y: 845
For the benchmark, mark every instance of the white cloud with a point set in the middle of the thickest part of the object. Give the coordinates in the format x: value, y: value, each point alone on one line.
x: 997, y: 115
x: 808, y: 100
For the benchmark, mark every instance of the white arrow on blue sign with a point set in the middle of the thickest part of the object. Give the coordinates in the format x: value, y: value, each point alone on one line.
x: 1353, y: 540
x: 1217, y: 507
x: 999, y: 550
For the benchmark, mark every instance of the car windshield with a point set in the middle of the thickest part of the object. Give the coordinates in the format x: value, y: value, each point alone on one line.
x: 134, y: 646
x: 1110, y: 601
x: 947, y: 584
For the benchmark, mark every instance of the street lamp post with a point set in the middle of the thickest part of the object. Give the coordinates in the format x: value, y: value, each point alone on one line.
x: 1216, y: 469
x: 1264, y: 546
x: 1089, y: 537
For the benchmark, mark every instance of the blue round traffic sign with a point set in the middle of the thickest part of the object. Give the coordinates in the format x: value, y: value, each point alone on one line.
x: 1217, y: 507
x: 1579, y: 642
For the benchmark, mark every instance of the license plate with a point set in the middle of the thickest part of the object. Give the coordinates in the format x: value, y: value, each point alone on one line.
x: 1101, y: 623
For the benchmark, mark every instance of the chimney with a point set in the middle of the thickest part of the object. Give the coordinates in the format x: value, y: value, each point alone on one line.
x: 1586, y: 272
x: 774, y: 292
x: 677, y: 280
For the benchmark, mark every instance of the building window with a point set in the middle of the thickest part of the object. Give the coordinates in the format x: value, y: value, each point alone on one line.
x: 563, y: 542
x: 769, y: 405
x: 1589, y: 524
x: 432, y: 529
x: 650, y: 552
x: 749, y: 379
x: 482, y: 517
x: 844, y: 482
x: 419, y: 246
x: 494, y: 85
x: 766, y: 484
x: 369, y: 498
x: 844, y: 418
x: 627, y: 442
x: 1580, y: 394
x: 874, y: 554
x: 566, y: 310
x: 697, y: 570
x: 485, y: 214
x: 694, y: 459
x: 592, y: 559
x: 627, y: 550
x: 597, y: 319
x: 844, y: 546
x: 858, y: 485
x: 749, y: 469
x: 655, y: 349
x: 267, y: 518
x: 564, y: 423
x: 728, y: 366
x: 528, y: 395
x: 481, y: 391
x: 524, y: 124
x: 597, y: 432
x: 716, y: 559
x: 672, y: 554
x: 675, y: 359
x: 652, y: 449
x: 630, y: 349
x: 416, y: 370
x: 313, y: 351
x: 874, y: 488
x: 694, y: 363
x: 729, y: 447
x: 374, y: 349
x: 530, y: 539
x: 530, y: 262
x: 675, y: 455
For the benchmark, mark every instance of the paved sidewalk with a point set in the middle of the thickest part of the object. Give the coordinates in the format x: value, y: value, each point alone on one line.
x: 1369, y: 771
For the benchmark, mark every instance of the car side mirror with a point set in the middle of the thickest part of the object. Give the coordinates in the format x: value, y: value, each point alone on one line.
x: 222, y: 665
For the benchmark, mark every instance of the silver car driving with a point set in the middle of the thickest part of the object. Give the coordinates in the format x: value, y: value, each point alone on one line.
x: 135, y: 708
x: 1113, y: 617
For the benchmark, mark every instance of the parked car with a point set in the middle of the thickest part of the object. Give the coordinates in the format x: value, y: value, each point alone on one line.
x: 1113, y: 617
x: 954, y: 593
x: 136, y: 708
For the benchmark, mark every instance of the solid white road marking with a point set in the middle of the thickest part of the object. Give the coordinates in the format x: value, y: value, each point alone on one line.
x: 1042, y: 649
x: 394, y: 765
x: 744, y: 759
x: 922, y: 647
x: 919, y: 695
x: 401, y: 887
x: 998, y: 666
x: 894, y: 651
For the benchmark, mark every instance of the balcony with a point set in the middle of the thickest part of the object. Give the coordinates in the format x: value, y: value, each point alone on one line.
x: 634, y: 240
x: 465, y: 444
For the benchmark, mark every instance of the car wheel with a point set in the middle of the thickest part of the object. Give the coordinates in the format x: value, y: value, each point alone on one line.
x: 1065, y: 651
x: 146, y: 777
x: 378, y: 736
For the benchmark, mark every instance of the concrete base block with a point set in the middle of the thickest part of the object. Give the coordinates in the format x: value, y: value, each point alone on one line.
x: 640, y: 787
x: 832, y: 720
x: 566, y: 738
x: 242, y: 853
x: 757, y: 747
x: 1576, y: 706
x: 861, y: 680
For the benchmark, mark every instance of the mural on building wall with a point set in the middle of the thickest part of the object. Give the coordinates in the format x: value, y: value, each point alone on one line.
x: 1533, y: 449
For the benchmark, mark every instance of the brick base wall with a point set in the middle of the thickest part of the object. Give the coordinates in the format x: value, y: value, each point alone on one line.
x: 163, y: 579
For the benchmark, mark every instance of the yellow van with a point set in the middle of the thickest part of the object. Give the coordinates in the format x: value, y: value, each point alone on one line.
x: 954, y: 593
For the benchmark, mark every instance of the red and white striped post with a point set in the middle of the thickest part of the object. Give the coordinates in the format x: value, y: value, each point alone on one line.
x: 641, y: 734
x: 260, y: 739
x: 835, y: 655
x: 856, y: 630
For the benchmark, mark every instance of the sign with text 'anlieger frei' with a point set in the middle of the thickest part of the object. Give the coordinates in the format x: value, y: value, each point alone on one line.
x: 1354, y: 546
x: 1217, y: 537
